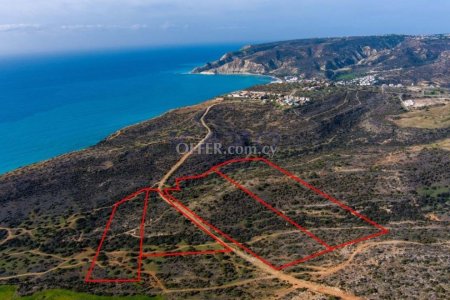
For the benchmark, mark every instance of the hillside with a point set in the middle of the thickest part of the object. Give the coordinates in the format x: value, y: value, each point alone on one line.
x: 393, y: 58
x: 354, y: 143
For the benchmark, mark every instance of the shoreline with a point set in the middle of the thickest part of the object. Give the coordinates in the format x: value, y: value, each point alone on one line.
x: 108, y: 137
x: 21, y: 169
x: 209, y: 73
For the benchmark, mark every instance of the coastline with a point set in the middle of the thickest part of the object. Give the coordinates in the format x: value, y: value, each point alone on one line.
x: 210, y: 73
x: 84, y: 99
x: 40, y: 163
x: 111, y: 136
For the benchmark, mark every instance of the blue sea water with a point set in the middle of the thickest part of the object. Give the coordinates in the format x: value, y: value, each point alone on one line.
x: 53, y: 104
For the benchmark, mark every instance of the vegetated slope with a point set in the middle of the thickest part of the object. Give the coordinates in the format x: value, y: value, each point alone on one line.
x: 132, y: 158
x: 343, y: 141
x: 418, y: 57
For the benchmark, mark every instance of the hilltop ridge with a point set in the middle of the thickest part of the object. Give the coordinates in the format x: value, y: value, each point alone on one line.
x: 416, y: 58
x: 382, y: 151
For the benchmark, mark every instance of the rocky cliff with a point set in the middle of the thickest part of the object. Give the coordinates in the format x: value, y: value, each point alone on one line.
x: 334, y: 57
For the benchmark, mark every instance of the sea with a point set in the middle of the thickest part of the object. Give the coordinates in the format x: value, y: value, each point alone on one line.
x: 51, y: 104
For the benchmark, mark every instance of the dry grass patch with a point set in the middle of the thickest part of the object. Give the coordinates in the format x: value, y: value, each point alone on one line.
x: 433, y: 117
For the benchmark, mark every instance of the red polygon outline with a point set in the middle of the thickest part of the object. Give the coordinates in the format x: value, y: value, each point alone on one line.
x: 142, y: 228
x: 215, y: 169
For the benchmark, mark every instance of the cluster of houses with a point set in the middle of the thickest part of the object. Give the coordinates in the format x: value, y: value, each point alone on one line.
x: 292, y: 100
x: 399, y: 85
x: 291, y: 79
x: 250, y: 95
x: 361, y: 81
x: 288, y: 100
x: 424, y: 102
x: 306, y: 82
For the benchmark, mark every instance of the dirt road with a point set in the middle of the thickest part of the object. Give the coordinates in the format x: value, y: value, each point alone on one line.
x: 175, y: 167
x: 359, y: 249
x: 296, y: 283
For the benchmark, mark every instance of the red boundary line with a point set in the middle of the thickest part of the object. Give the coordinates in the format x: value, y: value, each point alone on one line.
x: 200, y: 226
x: 215, y: 169
x: 222, y: 233
x: 254, y: 196
x: 141, y: 242
x: 108, y: 224
x: 319, y: 192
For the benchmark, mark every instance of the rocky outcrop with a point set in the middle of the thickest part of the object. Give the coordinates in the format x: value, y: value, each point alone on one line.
x: 236, y: 66
x: 332, y: 57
